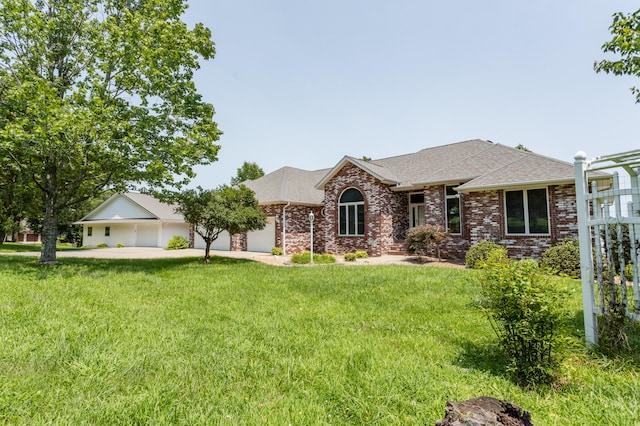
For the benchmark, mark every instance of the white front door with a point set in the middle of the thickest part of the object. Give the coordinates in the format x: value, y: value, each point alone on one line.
x: 416, y: 210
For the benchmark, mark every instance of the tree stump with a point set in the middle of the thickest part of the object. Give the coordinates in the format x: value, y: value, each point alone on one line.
x: 484, y: 411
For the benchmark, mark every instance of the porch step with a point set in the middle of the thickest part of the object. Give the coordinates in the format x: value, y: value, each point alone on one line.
x: 397, y: 249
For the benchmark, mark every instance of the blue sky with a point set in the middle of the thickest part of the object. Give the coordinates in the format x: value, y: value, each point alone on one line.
x: 302, y: 83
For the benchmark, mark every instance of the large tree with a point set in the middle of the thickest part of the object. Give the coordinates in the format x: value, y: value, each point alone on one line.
x: 625, y: 44
x: 227, y: 208
x: 248, y: 171
x: 98, y: 95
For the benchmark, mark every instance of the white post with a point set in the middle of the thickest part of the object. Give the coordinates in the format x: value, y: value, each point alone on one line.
x: 311, y: 218
x: 584, y: 237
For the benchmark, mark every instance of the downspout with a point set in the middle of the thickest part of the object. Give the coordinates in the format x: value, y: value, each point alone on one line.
x: 284, y: 229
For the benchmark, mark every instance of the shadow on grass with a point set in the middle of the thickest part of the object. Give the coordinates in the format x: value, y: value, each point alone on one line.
x: 483, y: 356
x: 35, y: 247
x: 19, y: 247
x: 71, y: 265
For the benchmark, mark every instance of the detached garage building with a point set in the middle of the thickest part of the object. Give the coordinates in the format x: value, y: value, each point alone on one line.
x: 139, y: 220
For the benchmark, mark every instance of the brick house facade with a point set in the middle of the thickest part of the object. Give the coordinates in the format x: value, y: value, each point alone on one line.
x: 488, y: 180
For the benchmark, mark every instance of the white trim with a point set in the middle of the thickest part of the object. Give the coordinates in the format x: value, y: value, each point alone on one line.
x: 525, y: 200
x: 457, y: 196
x: 347, y: 205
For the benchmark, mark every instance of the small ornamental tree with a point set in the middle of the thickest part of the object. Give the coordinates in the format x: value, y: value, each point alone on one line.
x: 420, y: 239
x: 232, y: 209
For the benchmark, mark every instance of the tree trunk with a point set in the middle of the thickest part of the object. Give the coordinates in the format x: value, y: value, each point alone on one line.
x: 49, y: 234
x: 207, y: 247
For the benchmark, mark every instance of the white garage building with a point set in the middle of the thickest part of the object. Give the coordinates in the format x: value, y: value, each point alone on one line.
x: 139, y: 220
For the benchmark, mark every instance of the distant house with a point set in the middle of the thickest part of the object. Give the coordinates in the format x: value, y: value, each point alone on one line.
x: 475, y: 189
x: 138, y: 220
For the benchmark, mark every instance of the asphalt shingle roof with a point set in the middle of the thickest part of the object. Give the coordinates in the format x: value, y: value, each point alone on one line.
x: 288, y: 184
x: 474, y: 164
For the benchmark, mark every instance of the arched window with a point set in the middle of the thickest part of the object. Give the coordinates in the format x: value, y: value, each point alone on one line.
x: 351, y: 213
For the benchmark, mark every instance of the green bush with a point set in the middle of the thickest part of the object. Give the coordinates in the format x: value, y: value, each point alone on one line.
x: 102, y: 245
x: 177, y: 242
x: 276, y: 251
x: 119, y: 245
x: 350, y: 257
x: 563, y: 258
x: 305, y: 257
x: 361, y: 254
x: 526, y: 308
x: 479, y: 253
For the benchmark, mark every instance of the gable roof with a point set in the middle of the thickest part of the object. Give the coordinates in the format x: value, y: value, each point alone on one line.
x: 288, y: 185
x: 474, y: 165
x: 132, y: 206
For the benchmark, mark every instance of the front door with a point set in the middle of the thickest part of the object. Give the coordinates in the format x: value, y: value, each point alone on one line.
x: 416, y: 210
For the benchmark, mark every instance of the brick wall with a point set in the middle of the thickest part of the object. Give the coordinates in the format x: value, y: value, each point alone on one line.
x: 483, y: 217
x: 298, y: 235
x: 383, y: 207
x: 387, y: 219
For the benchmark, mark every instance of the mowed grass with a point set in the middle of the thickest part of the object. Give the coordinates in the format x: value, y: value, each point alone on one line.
x: 33, y: 247
x: 176, y: 341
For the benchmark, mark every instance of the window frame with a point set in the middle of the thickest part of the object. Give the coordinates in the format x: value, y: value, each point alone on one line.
x: 412, y: 206
x: 526, y: 212
x: 447, y: 197
x: 352, y: 209
x: 89, y: 231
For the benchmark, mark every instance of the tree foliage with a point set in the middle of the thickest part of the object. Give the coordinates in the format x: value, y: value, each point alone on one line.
x: 98, y: 94
x: 248, y: 171
x: 626, y: 45
x: 227, y: 208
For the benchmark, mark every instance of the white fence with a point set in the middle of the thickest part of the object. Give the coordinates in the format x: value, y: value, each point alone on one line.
x: 608, y: 210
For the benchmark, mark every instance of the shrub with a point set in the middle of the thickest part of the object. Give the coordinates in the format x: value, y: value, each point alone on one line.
x: 479, y: 253
x: 119, y: 245
x: 526, y: 309
x: 276, y: 251
x: 177, y: 242
x: 563, y: 258
x: 421, y: 238
x: 361, y: 254
x: 102, y: 245
x: 350, y: 257
x: 305, y: 257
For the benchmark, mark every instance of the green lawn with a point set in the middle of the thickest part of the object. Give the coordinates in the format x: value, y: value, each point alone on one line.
x: 175, y: 341
x: 32, y: 247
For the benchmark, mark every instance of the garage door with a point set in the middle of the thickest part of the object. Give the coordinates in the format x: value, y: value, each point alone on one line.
x: 223, y: 242
x: 263, y: 240
x: 147, y: 236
